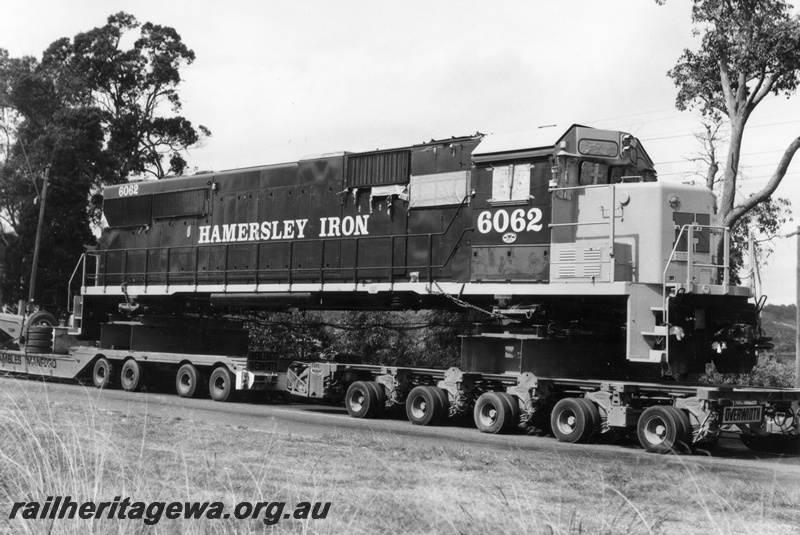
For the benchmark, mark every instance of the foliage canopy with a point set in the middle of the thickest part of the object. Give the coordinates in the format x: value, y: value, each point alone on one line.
x: 96, y: 113
x: 749, y: 49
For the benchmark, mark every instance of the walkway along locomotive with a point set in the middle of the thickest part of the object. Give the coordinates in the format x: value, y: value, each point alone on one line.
x: 606, y: 285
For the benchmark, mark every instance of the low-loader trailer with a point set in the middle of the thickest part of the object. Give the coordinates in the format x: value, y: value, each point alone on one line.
x: 606, y: 292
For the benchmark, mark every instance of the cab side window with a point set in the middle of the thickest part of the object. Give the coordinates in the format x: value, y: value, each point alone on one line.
x: 511, y: 183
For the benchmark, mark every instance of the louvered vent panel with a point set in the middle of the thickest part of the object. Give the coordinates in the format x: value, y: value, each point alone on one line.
x: 567, y: 255
x: 591, y: 270
x: 566, y: 270
x: 592, y: 266
x: 378, y: 169
x: 128, y: 211
x: 180, y: 203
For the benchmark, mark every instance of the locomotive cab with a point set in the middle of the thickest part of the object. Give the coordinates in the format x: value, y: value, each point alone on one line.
x: 609, y: 229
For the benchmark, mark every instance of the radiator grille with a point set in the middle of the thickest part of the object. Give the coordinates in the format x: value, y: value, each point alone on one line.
x: 180, y: 203
x: 378, y: 169
x: 128, y: 211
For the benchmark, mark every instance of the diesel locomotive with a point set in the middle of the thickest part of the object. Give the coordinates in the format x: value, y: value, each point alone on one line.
x: 607, y: 289
x: 566, y: 231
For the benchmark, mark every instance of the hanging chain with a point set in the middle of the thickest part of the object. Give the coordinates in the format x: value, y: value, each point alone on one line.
x: 464, y: 304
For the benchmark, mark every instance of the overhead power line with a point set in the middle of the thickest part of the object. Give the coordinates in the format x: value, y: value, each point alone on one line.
x: 682, y: 133
x: 689, y: 160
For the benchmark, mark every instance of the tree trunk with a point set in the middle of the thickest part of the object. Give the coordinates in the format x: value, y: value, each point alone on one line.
x: 729, y: 219
x: 732, y: 168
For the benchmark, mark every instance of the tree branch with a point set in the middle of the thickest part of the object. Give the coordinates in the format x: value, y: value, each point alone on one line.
x: 759, y: 83
x: 768, y: 190
x: 741, y: 91
x: 725, y: 81
x: 763, y: 91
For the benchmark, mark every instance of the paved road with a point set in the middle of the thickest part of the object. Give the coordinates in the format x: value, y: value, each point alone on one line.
x: 316, y: 420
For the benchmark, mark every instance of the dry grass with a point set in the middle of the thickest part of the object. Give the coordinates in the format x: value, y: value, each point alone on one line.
x: 376, y: 484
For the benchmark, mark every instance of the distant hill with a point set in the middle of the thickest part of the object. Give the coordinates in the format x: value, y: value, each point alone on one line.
x: 780, y: 322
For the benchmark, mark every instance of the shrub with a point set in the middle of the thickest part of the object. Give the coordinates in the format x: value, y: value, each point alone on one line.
x: 768, y: 372
x: 422, y: 339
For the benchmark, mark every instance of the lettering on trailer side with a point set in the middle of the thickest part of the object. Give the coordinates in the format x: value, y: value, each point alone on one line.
x: 742, y: 414
x: 41, y: 362
x: 10, y: 359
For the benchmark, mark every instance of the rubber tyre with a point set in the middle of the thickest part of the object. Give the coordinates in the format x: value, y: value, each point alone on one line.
x: 103, y: 373
x: 424, y: 406
x: 361, y: 399
x: 659, y: 430
x: 131, y: 376
x: 685, y: 431
x: 188, y: 381
x: 40, y: 318
x: 40, y: 333
x: 39, y: 347
x: 39, y: 322
x: 379, y: 395
x: 445, y: 399
x: 221, y: 384
x: 491, y: 413
x: 595, y: 420
x: 513, y: 406
x: 571, y: 420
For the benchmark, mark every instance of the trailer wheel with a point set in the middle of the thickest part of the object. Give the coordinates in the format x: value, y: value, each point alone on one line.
x: 379, y: 397
x: 660, y: 430
x: 361, y: 400
x: 685, y: 431
x: 571, y: 420
x: 424, y: 406
x: 513, y: 406
x: 102, y: 373
x: 491, y: 413
x: 594, y: 420
x: 445, y: 398
x: 188, y: 381
x: 220, y: 384
x: 131, y: 376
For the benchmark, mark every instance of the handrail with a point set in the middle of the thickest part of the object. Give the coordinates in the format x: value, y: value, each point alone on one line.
x: 294, y: 271
x: 81, y: 263
x: 612, y: 220
x: 690, y: 263
x: 319, y: 243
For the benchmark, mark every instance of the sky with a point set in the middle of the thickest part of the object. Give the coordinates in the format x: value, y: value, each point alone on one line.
x: 277, y: 81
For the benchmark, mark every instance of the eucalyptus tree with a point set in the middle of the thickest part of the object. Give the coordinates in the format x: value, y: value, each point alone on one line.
x: 749, y: 50
x: 96, y: 112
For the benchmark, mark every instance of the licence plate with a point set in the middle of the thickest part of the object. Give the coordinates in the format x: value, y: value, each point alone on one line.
x: 742, y: 414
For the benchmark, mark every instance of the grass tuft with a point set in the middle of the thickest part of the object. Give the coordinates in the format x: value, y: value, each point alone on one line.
x: 376, y: 482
